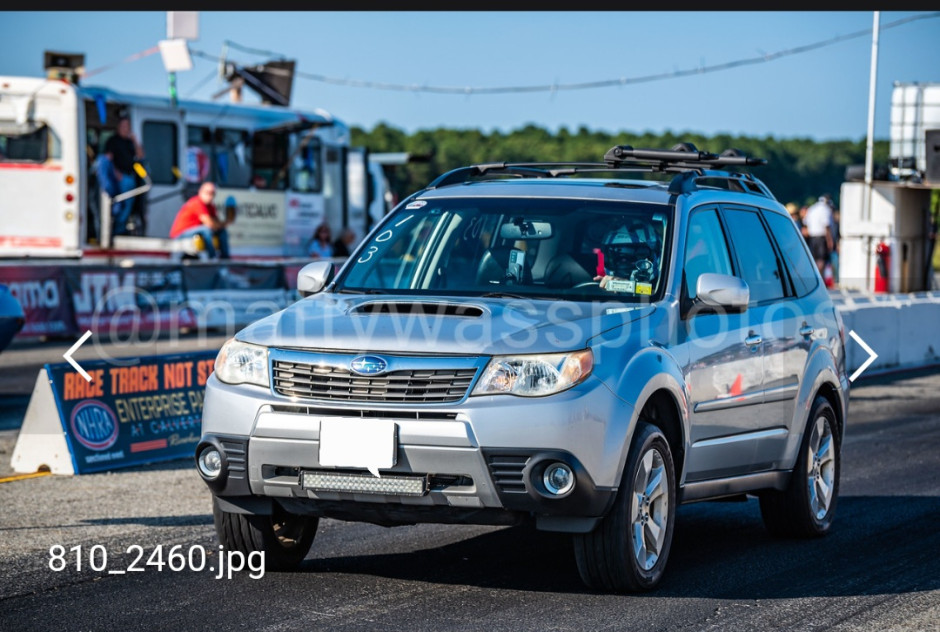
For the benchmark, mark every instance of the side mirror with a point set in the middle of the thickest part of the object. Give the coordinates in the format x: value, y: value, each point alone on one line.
x: 313, y: 277
x: 723, y: 291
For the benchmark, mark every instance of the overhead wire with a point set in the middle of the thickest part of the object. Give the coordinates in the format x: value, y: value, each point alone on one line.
x: 555, y: 87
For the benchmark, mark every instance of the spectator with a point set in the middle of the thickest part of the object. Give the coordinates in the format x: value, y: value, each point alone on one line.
x: 198, y: 216
x: 116, y: 171
x: 802, y: 222
x: 321, y: 243
x: 818, y: 223
x: 836, y: 238
x: 794, y: 212
x: 343, y: 244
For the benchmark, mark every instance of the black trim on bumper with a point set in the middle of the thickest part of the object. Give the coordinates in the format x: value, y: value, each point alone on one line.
x: 517, y: 478
x: 233, y: 481
x: 395, y: 514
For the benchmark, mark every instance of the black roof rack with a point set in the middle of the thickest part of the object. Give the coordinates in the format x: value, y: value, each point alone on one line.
x: 683, y: 159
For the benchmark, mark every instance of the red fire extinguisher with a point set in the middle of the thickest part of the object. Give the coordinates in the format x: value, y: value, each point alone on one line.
x: 883, y: 251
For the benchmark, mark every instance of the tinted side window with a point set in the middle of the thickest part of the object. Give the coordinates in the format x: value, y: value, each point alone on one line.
x: 705, y: 248
x: 756, y: 255
x: 232, y: 158
x: 160, y: 144
x: 795, y: 255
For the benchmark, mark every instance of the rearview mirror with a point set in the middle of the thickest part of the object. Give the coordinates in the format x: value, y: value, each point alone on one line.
x: 521, y: 228
x: 313, y: 277
x: 723, y: 291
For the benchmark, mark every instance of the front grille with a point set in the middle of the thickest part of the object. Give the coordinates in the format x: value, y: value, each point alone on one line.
x: 507, y: 472
x: 311, y: 381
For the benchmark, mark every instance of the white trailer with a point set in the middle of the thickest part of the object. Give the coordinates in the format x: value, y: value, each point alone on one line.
x: 287, y: 169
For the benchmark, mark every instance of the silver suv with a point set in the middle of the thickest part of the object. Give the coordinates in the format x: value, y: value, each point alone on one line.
x: 580, y: 345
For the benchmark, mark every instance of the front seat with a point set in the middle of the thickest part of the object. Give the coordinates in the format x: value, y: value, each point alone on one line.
x: 495, y: 264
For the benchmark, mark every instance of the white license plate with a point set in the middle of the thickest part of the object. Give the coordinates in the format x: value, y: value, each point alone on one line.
x: 368, y: 443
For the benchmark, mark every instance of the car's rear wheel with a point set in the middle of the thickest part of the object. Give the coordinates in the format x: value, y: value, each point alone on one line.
x: 284, y: 538
x: 806, y: 508
x: 628, y: 550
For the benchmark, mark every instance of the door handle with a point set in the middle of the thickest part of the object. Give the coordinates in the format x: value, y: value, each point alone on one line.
x: 752, y: 340
x: 806, y: 330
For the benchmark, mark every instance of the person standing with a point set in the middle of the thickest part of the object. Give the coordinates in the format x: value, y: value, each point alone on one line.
x: 818, y: 223
x: 198, y: 216
x: 122, y: 151
x: 321, y: 243
x: 343, y: 244
x: 836, y: 238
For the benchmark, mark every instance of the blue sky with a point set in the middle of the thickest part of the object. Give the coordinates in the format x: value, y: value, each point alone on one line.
x: 820, y: 94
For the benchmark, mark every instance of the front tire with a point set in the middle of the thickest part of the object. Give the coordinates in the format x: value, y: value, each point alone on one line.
x: 628, y: 550
x: 284, y: 538
x: 806, y: 508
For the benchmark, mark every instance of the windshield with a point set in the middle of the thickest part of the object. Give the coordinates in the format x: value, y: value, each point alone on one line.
x: 527, y: 247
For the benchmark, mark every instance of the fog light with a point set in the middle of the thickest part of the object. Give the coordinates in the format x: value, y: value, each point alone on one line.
x: 558, y: 479
x: 210, y: 462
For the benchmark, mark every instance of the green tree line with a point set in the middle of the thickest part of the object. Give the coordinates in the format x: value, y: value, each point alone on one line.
x: 798, y: 170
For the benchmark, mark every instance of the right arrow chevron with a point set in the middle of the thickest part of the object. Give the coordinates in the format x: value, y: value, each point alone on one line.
x: 871, y: 355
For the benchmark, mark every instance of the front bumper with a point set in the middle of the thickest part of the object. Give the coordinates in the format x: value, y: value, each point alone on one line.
x: 482, y: 459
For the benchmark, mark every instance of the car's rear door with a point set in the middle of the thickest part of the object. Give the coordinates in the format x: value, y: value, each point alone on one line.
x: 774, y: 317
x: 723, y: 367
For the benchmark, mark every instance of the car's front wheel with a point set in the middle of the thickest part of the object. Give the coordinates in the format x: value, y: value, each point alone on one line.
x: 806, y: 508
x: 628, y: 550
x: 284, y: 538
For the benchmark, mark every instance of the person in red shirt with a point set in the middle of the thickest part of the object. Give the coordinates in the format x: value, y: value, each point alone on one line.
x: 198, y: 216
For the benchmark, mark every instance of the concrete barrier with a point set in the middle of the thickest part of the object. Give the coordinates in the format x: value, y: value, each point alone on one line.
x: 903, y: 329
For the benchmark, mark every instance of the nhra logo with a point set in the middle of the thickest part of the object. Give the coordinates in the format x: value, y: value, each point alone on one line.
x: 368, y: 365
x: 94, y: 425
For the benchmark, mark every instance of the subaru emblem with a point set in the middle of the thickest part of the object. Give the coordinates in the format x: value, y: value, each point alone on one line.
x: 368, y: 365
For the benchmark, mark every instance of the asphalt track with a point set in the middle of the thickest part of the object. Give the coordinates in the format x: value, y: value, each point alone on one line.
x: 878, y: 569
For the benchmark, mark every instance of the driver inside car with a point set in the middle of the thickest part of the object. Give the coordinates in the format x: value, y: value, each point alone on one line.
x: 626, y: 260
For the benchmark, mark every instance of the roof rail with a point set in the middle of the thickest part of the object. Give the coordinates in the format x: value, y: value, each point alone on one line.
x: 684, y: 159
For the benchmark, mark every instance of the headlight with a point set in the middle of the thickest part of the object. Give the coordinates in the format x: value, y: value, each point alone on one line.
x: 535, y: 375
x: 241, y: 363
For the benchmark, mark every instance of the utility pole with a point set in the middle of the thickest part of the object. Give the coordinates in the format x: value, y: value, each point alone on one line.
x: 869, y: 144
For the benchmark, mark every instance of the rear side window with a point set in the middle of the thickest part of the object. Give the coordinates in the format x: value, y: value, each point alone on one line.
x: 796, y: 257
x: 758, y: 260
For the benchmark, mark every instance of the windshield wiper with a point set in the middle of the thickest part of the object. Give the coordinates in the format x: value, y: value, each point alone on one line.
x: 371, y: 290
x: 501, y: 295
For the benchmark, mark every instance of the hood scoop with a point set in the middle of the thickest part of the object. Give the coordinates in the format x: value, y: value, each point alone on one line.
x: 418, y: 308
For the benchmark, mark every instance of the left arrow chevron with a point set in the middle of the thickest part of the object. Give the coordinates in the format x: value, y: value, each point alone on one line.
x: 68, y: 356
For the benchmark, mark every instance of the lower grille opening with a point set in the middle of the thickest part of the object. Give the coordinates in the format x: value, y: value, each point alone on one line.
x: 435, y: 482
x: 507, y: 472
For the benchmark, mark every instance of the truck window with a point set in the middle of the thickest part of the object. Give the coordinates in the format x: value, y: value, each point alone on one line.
x: 162, y: 146
x: 305, y: 174
x: 270, y: 153
x: 232, y: 157
x: 29, y: 145
x: 199, y: 163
